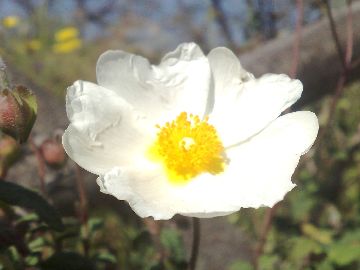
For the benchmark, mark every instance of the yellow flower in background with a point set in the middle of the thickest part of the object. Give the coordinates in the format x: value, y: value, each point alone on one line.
x: 34, y: 45
x: 10, y: 21
x: 66, y: 34
x: 67, y: 46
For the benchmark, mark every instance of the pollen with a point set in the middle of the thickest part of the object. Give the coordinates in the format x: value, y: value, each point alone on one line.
x: 188, y: 147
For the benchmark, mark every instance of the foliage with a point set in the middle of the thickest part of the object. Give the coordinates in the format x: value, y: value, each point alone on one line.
x: 40, y: 239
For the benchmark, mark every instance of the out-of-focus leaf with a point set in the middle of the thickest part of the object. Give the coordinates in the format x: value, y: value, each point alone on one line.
x: 303, y: 247
x: 325, y: 265
x: 301, y: 204
x: 106, y: 257
x: 95, y: 224
x: 31, y: 260
x: 344, y: 253
x: 37, y: 244
x: 241, y: 265
x: 346, y: 250
x: 9, y: 152
x: 27, y: 218
x: 14, y: 194
x: 320, y: 235
x: 267, y: 262
x: 172, y: 242
x: 67, y: 261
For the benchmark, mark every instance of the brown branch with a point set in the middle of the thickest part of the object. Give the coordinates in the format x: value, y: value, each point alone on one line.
x: 269, y: 215
x: 195, y: 244
x: 355, y: 63
x: 221, y: 20
x: 334, y: 33
x: 40, y: 165
x: 346, y: 69
x: 83, y: 208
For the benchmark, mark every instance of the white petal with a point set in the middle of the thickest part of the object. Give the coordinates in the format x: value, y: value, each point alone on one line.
x: 248, y: 108
x: 227, y: 73
x: 180, y: 83
x: 259, y: 174
x: 146, y: 190
x: 260, y: 170
x: 227, y: 70
x: 104, y: 131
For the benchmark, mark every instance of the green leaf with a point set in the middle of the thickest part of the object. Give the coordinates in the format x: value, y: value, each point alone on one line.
x: 346, y: 250
x: 94, y: 225
x: 68, y: 261
x: 37, y: 244
x: 14, y: 194
x: 302, y: 247
x: 301, y: 205
x: 105, y: 257
x: 343, y: 253
x: 241, y: 265
x: 325, y: 265
x: 31, y: 260
x: 321, y: 235
x: 267, y: 262
x: 172, y: 242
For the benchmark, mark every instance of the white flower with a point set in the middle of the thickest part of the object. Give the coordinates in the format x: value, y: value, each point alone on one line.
x: 195, y: 135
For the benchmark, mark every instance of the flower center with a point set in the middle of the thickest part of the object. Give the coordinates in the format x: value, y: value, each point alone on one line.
x: 188, y: 147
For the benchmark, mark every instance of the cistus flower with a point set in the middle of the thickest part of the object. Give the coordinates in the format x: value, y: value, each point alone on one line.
x: 195, y: 135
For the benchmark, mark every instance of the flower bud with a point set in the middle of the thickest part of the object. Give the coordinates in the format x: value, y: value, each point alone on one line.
x: 53, y: 153
x: 9, y: 152
x: 18, y: 110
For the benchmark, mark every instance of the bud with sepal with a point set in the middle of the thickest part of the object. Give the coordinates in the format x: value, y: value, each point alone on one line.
x: 18, y: 109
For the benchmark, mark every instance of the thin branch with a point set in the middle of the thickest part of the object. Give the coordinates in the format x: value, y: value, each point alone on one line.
x: 83, y: 208
x: 221, y: 20
x: 195, y: 244
x: 347, y: 67
x: 40, y: 165
x: 269, y: 215
x: 297, y: 39
x: 355, y: 63
x: 334, y: 33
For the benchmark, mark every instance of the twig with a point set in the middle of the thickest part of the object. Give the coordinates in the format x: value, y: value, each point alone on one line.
x: 40, y: 165
x: 334, y: 33
x: 270, y: 212
x: 346, y: 68
x: 195, y: 244
x: 297, y: 38
x: 154, y: 228
x: 221, y: 20
x: 355, y: 63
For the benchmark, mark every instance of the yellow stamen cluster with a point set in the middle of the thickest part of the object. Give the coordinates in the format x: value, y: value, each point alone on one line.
x: 188, y: 147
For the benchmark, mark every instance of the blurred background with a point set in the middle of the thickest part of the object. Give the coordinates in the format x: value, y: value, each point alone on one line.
x: 52, y: 215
